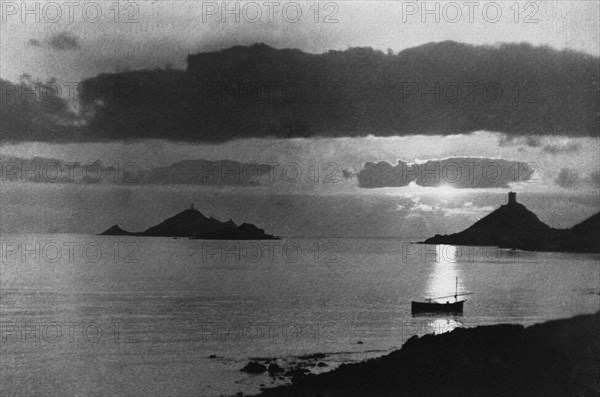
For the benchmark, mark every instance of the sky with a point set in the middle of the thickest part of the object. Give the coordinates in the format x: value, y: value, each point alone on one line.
x: 341, y: 176
x: 158, y: 33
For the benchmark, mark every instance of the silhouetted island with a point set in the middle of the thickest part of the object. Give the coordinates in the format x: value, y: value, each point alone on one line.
x: 556, y: 358
x: 193, y: 224
x: 514, y: 226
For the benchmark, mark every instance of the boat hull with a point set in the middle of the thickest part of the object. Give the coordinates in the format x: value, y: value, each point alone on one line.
x: 432, y: 307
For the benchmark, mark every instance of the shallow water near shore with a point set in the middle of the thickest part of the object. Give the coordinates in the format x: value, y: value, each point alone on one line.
x: 101, y: 315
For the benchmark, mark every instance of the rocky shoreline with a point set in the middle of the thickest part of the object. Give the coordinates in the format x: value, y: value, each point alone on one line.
x: 555, y: 358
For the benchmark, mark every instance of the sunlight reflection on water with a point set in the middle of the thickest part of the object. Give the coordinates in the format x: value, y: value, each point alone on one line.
x: 442, y: 281
x: 443, y: 325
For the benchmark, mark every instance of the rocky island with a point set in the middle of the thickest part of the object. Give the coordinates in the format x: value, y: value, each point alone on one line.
x: 193, y: 224
x: 514, y: 226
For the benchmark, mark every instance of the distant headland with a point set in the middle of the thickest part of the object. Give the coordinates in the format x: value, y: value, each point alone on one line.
x: 514, y: 226
x: 193, y: 224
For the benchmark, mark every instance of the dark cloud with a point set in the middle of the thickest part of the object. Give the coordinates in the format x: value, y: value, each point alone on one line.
x: 570, y: 179
x: 459, y: 172
x: 203, y: 172
x: 347, y: 174
x: 567, y: 178
x: 257, y: 91
x: 594, y: 179
x: 49, y: 171
x: 34, y: 43
x: 35, y: 111
x: 567, y: 148
x: 188, y: 172
x: 64, y: 41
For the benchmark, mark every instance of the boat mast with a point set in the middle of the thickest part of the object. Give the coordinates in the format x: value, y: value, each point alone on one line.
x: 456, y: 290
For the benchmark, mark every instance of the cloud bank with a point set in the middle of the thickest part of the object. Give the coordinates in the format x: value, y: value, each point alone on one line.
x: 34, y: 111
x: 62, y: 41
x: 188, y: 172
x: 571, y: 179
x: 253, y: 92
x: 457, y: 172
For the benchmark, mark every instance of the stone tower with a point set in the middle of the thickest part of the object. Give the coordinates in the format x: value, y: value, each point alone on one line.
x: 512, y: 198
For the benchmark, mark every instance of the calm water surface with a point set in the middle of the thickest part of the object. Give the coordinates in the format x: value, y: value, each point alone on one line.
x: 101, y: 315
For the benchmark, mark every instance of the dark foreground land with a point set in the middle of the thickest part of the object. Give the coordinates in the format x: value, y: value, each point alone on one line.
x: 556, y: 358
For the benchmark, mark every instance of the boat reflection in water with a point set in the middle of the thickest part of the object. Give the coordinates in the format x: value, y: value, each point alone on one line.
x: 445, y: 276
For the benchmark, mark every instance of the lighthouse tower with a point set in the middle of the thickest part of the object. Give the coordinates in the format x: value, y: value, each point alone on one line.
x: 512, y: 198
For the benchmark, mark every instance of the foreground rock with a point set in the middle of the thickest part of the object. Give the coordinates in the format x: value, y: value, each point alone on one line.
x: 254, y: 368
x: 514, y: 226
x: 192, y: 223
x: 275, y: 369
x: 556, y: 358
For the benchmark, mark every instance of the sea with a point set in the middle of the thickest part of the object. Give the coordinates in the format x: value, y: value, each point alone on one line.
x: 85, y: 315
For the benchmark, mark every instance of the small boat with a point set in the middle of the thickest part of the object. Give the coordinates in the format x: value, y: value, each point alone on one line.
x: 435, y: 307
x: 430, y: 306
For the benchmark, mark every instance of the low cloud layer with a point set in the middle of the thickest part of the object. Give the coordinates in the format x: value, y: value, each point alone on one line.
x: 63, y: 41
x: 188, y: 172
x: 568, y: 178
x: 458, y: 172
x: 34, y: 43
x: 243, y: 92
x: 538, y: 142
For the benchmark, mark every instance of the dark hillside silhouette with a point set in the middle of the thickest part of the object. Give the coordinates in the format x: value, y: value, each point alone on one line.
x: 514, y: 226
x: 192, y: 223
